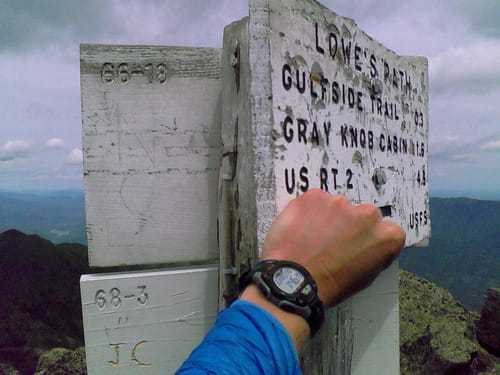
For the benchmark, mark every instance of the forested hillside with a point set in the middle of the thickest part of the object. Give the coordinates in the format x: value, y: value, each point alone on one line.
x: 464, y: 251
x: 41, y: 306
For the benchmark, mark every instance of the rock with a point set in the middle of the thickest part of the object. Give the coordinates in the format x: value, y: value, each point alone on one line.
x: 488, y: 327
x: 61, y: 361
x: 437, y: 334
x: 7, y: 369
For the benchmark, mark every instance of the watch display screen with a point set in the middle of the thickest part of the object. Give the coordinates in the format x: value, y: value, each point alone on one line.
x: 288, y: 279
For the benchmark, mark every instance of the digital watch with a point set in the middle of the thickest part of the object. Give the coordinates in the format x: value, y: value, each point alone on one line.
x: 289, y: 286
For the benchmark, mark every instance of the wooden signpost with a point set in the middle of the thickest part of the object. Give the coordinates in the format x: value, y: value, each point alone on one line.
x: 330, y: 108
x: 151, y: 143
x: 299, y: 98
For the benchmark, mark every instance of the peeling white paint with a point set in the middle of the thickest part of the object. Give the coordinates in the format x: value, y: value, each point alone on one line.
x: 353, y: 123
x: 362, y: 114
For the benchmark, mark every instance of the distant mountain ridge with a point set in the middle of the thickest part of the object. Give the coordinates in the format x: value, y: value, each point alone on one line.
x: 464, y: 251
x: 486, y: 195
x: 58, y: 216
x: 463, y: 256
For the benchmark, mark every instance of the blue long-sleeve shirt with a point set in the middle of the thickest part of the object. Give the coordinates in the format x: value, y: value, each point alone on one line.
x: 245, y: 339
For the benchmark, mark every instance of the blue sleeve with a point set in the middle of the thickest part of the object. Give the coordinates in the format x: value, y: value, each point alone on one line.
x: 245, y: 339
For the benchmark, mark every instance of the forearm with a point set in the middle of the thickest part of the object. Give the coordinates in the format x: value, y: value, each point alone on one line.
x: 327, y: 245
x: 246, y: 339
x: 296, y: 326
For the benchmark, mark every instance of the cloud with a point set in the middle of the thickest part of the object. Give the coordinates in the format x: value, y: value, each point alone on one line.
x: 38, y: 24
x: 491, y: 145
x: 59, y: 232
x: 461, y: 157
x: 75, y: 156
x: 55, y: 143
x: 472, y: 68
x: 457, y: 35
x: 434, y: 173
x: 14, y: 149
x: 453, y: 149
x: 168, y: 24
x: 483, y: 18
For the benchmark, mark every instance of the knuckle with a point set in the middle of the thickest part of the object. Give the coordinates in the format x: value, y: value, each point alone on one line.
x: 312, y: 195
x: 395, y: 235
x: 369, y: 212
x: 315, y: 192
x: 339, y: 200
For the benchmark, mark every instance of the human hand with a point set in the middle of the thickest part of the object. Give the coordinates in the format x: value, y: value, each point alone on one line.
x: 343, y: 246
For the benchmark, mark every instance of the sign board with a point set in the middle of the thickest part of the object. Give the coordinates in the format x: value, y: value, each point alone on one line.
x: 311, y: 101
x: 146, y: 322
x: 151, y: 147
x: 347, y: 115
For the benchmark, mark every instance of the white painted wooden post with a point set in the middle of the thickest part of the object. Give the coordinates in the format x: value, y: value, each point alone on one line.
x: 151, y: 145
x: 310, y: 100
x: 146, y: 322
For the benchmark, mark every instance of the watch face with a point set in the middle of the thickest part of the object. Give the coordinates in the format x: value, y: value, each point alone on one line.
x: 288, y: 279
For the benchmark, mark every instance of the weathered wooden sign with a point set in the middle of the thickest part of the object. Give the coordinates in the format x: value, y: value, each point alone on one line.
x: 336, y: 110
x: 151, y: 144
x: 146, y: 322
x: 311, y: 101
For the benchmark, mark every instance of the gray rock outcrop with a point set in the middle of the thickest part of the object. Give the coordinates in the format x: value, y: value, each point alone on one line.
x: 437, y: 334
x: 488, y: 326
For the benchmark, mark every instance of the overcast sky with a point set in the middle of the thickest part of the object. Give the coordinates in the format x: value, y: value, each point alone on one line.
x: 40, y: 121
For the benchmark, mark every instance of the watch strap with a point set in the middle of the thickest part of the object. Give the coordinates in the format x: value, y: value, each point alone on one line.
x: 307, y: 306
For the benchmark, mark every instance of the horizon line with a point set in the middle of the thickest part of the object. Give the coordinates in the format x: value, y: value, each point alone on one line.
x: 481, y: 194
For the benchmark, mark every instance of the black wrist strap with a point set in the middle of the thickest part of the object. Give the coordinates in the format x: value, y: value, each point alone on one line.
x: 310, y: 308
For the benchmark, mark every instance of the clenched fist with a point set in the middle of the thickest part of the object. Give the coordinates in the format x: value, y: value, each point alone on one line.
x: 343, y: 246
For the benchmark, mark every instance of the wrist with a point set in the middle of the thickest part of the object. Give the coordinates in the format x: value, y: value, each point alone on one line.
x: 326, y: 281
x: 296, y: 326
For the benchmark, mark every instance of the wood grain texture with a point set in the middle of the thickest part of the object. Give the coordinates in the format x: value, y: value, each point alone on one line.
x: 146, y: 322
x: 237, y: 209
x: 151, y: 146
